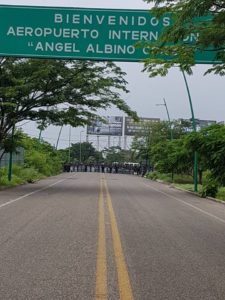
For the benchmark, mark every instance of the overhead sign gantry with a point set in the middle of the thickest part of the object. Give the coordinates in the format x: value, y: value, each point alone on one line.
x: 83, y: 33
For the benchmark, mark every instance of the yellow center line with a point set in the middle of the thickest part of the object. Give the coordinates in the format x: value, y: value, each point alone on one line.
x: 125, y: 290
x: 101, y: 270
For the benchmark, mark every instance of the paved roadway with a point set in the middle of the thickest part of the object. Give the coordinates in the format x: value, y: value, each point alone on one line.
x: 109, y: 236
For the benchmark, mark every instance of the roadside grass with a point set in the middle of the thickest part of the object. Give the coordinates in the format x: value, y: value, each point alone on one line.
x: 184, y: 182
x: 188, y: 187
x: 21, y: 175
x: 177, y: 178
x: 221, y: 194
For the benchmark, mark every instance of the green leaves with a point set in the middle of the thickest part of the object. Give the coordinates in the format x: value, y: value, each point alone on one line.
x: 41, y: 156
x: 165, y: 155
x: 81, y: 151
x: 210, y: 144
x: 116, y: 154
x: 57, y: 91
x: 203, y: 19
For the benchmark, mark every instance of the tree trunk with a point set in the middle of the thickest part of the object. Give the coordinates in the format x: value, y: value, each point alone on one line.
x: 200, y: 176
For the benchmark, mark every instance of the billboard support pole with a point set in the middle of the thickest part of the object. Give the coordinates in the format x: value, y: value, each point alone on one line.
x: 125, y: 142
x: 109, y: 142
x: 98, y: 142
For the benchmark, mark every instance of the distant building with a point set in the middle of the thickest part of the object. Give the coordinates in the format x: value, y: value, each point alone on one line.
x: 200, y: 124
x: 221, y: 123
x: 132, y: 128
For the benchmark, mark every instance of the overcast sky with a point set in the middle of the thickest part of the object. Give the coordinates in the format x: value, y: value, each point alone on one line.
x: 207, y: 92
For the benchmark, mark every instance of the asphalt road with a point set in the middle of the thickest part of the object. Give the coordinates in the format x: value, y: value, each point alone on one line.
x: 109, y: 236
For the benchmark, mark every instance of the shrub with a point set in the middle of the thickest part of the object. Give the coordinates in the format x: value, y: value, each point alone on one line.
x: 30, y: 175
x: 20, y: 175
x: 152, y: 175
x: 41, y: 159
x: 38, y: 161
x: 210, y: 186
x: 4, y: 179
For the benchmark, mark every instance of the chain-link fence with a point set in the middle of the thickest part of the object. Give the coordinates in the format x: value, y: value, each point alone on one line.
x: 18, y: 158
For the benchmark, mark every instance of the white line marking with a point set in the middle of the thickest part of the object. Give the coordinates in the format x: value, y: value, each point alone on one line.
x: 29, y: 194
x: 188, y: 204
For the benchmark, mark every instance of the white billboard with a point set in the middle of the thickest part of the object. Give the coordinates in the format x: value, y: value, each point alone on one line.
x: 132, y: 128
x: 112, y: 125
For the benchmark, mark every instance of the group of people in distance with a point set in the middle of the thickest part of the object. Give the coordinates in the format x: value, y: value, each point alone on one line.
x: 122, y: 168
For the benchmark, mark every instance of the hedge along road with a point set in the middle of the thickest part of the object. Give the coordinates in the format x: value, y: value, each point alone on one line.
x: 109, y: 236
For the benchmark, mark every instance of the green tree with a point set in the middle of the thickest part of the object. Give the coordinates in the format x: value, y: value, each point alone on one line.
x: 181, y: 128
x: 210, y: 144
x: 57, y: 92
x: 153, y: 146
x: 116, y: 154
x: 170, y: 50
x: 172, y: 157
x: 10, y: 144
x: 151, y: 134
x: 84, y: 152
x: 41, y: 156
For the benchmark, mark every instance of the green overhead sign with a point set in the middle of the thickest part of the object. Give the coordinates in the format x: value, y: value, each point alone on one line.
x: 81, y: 33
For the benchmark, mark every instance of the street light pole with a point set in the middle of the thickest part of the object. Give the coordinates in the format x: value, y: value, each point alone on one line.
x: 194, y: 129
x: 171, y: 130
x: 57, y: 143
x: 168, y: 116
x: 167, y: 111
x: 39, y: 136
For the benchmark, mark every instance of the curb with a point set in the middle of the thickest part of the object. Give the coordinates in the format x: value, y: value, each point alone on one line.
x: 216, y: 200
x: 196, y: 194
x: 190, y: 192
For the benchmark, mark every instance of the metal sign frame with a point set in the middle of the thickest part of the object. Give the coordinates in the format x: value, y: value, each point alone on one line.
x: 82, y: 33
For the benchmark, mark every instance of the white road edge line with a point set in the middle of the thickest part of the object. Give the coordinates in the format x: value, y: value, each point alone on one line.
x: 29, y: 194
x: 188, y: 204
